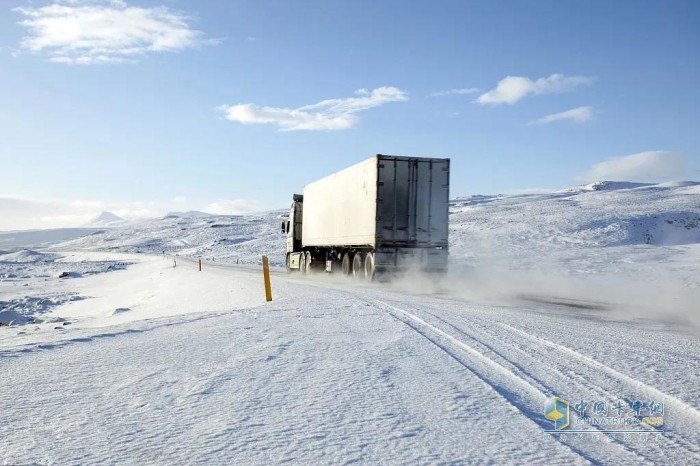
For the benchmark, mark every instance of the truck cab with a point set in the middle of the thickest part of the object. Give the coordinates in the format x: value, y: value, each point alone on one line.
x: 292, y: 228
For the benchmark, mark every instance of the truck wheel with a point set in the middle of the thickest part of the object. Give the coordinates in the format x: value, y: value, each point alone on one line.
x: 307, y: 262
x: 302, y: 263
x: 369, y: 266
x: 288, y: 264
x: 358, y: 269
x: 347, y: 263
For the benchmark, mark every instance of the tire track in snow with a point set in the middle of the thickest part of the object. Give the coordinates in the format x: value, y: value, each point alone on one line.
x: 548, y: 391
x: 689, y: 416
x: 523, y: 402
x: 689, y: 410
x: 678, y: 441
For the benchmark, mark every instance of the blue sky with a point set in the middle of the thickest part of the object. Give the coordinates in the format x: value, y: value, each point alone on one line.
x: 143, y: 106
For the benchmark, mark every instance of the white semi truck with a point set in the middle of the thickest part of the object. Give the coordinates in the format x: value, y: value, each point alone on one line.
x: 381, y: 216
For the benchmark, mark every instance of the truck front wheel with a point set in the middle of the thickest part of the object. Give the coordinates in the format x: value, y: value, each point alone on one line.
x: 302, y: 263
x: 307, y: 262
x: 347, y: 263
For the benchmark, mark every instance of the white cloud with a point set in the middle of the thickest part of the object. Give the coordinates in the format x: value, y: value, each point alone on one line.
x: 529, y: 191
x: 65, y: 220
x: 230, y: 206
x: 102, y: 31
x: 513, y: 88
x: 463, y: 91
x: 650, y: 167
x: 331, y: 114
x: 578, y: 115
x: 87, y: 203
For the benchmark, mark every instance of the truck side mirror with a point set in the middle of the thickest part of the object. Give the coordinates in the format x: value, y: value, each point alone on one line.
x: 284, y: 224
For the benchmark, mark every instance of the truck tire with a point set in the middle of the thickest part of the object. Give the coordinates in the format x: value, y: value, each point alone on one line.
x: 302, y: 263
x: 288, y: 263
x: 358, y: 269
x: 307, y: 262
x: 369, y: 266
x: 347, y: 263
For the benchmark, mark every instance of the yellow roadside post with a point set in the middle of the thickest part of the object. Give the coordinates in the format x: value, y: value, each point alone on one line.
x: 266, y: 276
x: 200, y: 265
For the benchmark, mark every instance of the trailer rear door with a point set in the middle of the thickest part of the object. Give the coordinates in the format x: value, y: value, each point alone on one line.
x: 412, y: 201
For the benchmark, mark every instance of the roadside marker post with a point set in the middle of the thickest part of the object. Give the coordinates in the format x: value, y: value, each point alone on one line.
x: 200, y: 265
x: 266, y: 276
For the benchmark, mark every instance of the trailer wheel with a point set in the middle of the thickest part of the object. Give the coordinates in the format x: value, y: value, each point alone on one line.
x: 302, y: 263
x: 307, y: 262
x: 369, y: 266
x: 347, y: 263
x: 358, y: 270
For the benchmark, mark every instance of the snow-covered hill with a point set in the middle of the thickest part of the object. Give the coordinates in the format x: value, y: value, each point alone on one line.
x: 630, y: 243
x: 236, y: 238
x: 603, y: 227
x: 586, y: 294
x: 602, y: 214
x: 106, y: 219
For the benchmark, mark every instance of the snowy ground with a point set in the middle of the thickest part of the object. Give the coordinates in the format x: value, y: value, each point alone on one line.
x: 130, y: 360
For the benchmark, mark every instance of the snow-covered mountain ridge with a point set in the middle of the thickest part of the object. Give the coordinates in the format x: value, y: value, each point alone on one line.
x: 106, y: 219
x: 604, y: 214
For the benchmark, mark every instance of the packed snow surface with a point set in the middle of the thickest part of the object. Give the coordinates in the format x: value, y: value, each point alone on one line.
x: 137, y: 357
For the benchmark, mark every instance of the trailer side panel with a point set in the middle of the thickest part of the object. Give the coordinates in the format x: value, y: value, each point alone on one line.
x: 340, y: 209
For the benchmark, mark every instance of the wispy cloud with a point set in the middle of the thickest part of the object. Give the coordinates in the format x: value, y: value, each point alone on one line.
x: 650, y: 166
x: 463, y: 91
x: 230, y: 206
x: 513, y: 88
x: 330, y: 114
x: 578, y: 115
x: 529, y: 191
x: 104, y: 31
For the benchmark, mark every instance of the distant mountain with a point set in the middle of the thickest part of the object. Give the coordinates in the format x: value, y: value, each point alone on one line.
x: 613, y: 185
x: 188, y: 214
x: 579, y: 230
x: 106, y: 219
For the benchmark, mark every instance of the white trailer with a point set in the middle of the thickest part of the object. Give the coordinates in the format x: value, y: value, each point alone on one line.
x: 384, y: 214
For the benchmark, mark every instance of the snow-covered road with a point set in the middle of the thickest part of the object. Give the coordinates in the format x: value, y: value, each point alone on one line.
x: 200, y: 369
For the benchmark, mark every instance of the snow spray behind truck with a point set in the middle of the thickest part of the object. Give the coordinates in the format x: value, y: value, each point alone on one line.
x: 381, y: 216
